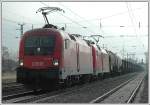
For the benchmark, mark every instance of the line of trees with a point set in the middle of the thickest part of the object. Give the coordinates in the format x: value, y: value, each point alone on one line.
x: 8, y: 64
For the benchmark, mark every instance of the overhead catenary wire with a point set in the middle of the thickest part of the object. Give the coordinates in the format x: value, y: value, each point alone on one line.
x: 82, y: 18
x: 81, y: 24
x: 21, y: 16
x: 104, y: 18
x: 13, y: 21
x: 113, y: 36
x: 29, y: 23
x: 116, y: 14
x: 131, y: 18
x: 85, y: 19
x: 71, y: 20
x: 131, y: 15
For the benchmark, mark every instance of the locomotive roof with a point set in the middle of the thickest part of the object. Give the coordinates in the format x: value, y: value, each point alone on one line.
x: 74, y: 38
x: 81, y: 41
x: 111, y: 53
x: 97, y: 48
x: 103, y: 51
x: 43, y: 30
x: 61, y: 32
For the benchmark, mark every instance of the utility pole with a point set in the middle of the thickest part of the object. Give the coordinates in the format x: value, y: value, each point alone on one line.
x: 103, y: 46
x: 32, y: 26
x: 123, y: 51
x: 139, y: 25
x: 21, y: 28
x: 127, y: 56
x: 100, y: 24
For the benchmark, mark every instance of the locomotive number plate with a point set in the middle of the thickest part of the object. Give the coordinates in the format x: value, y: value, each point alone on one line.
x: 37, y: 63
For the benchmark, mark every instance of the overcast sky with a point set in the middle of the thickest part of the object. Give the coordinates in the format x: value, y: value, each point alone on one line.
x: 123, y: 24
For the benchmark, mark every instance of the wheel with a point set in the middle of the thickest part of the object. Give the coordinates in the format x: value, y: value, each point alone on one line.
x: 68, y: 83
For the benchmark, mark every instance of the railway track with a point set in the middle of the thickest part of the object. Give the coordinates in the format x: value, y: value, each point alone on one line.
x: 66, y: 97
x: 131, y: 99
x: 111, y: 97
x: 11, y: 85
x: 8, y: 81
x: 6, y: 88
x: 7, y: 97
x: 14, y: 89
x: 33, y: 97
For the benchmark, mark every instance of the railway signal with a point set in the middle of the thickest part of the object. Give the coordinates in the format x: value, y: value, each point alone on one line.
x: 21, y: 28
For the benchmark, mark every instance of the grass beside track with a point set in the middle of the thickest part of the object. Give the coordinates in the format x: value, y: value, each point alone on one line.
x: 8, y: 77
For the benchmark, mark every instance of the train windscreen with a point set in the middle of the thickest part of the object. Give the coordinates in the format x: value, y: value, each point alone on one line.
x: 39, y: 45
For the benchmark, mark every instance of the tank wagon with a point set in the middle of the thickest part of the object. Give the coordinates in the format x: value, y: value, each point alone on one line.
x: 129, y: 66
x: 115, y: 63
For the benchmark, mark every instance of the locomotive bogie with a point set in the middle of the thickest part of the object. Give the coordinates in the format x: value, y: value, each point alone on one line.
x: 37, y: 77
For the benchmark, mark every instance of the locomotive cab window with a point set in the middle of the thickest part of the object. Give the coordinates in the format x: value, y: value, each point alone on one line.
x: 39, y: 45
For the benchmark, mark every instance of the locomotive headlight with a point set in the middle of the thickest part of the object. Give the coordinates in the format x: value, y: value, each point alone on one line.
x: 21, y: 63
x: 55, y: 62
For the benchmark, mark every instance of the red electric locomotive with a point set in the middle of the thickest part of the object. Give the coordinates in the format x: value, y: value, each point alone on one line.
x: 100, y: 62
x: 49, y: 54
x: 39, y: 52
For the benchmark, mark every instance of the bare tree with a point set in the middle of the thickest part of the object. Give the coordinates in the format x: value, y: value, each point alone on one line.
x: 7, y: 63
x: 5, y: 53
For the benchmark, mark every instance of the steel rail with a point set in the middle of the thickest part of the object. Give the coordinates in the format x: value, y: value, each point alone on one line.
x: 67, y: 92
x: 16, y: 95
x: 38, y: 97
x: 131, y: 98
x: 8, y: 83
x: 105, y: 95
x: 14, y: 85
x: 61, y: 92
x: 19, y: 94
x: 48, y: 95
